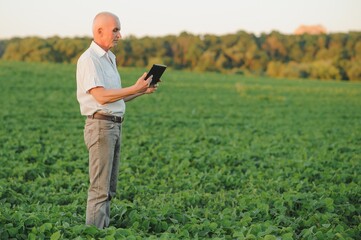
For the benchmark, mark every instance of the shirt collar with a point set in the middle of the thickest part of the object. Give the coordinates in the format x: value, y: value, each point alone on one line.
x: 101, y: 52
x: 97, y: 49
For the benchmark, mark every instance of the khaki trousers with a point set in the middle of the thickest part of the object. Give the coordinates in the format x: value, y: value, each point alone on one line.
x: 103, y: 140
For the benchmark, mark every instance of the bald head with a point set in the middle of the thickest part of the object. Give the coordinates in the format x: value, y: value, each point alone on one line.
x: 106, y: 29
x: 103, y: 19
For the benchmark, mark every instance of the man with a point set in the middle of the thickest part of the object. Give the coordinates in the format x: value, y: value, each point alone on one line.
x: 101, y: 98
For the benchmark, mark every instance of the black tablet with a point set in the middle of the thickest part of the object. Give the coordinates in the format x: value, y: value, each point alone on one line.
x: 157, y: 70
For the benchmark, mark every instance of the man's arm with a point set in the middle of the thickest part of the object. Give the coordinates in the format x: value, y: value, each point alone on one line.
x: 148, y: 91
x: 104, y: 96
x: 131, y: 97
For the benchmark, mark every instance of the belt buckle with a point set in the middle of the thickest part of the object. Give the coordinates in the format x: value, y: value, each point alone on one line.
x: 116, y: 119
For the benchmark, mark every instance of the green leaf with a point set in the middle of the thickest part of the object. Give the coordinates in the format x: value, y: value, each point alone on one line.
x: 287, y: 236
x: 32, y: 236
x: 91, y: 230
x: 109, y: 238
x: 55, y: 236
x: 213, y: 226
x: 269, y: 237
x: 45, y: 227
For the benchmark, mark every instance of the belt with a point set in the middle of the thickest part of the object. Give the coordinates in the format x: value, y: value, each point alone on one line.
x: 106, y: 117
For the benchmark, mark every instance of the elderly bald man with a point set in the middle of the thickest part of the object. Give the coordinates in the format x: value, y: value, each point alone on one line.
x: 102, y: 100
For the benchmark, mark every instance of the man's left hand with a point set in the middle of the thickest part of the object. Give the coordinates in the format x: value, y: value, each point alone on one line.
x: 151, y: 89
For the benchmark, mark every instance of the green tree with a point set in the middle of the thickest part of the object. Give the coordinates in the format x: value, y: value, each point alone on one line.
x: 29, y: 49
x: 207, y: 61
x: 3, y: 44
x: 331, y: 56
x: 308, y: 45
x: 68, y: 50
x: 274, y: 46
x: 337, y: 46
x: 324, y: 70
x: 357, y: 51
x: 296, y: 70
x: 274, y: 68
x: 295, y: 46
x: 354, y: 70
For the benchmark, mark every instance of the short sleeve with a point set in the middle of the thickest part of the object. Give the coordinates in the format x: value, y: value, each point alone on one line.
x: 89, y: 74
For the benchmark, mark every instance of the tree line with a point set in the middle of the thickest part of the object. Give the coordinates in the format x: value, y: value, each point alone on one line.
x: 326, y: 56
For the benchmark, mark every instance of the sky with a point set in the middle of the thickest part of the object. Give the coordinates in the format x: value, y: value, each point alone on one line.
x: 73, y: 18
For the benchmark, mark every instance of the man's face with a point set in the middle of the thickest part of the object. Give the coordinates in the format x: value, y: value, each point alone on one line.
x: 111, y: 33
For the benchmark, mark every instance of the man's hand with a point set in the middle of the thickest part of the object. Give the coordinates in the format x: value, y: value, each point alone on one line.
x: 151, y: 89
x: 142, y: 85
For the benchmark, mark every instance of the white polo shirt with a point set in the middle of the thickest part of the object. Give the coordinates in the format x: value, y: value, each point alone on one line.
x: 96, y: 68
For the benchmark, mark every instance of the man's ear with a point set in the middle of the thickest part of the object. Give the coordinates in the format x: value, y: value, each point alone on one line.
x: 99, y: 31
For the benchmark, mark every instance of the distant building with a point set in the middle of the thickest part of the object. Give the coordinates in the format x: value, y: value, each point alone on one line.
x: 310, y: 29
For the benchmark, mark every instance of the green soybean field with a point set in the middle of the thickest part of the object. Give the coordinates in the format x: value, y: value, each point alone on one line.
x: 208, y: 156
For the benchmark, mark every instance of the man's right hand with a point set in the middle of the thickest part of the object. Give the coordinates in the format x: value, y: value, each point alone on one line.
x: 141, y: 84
